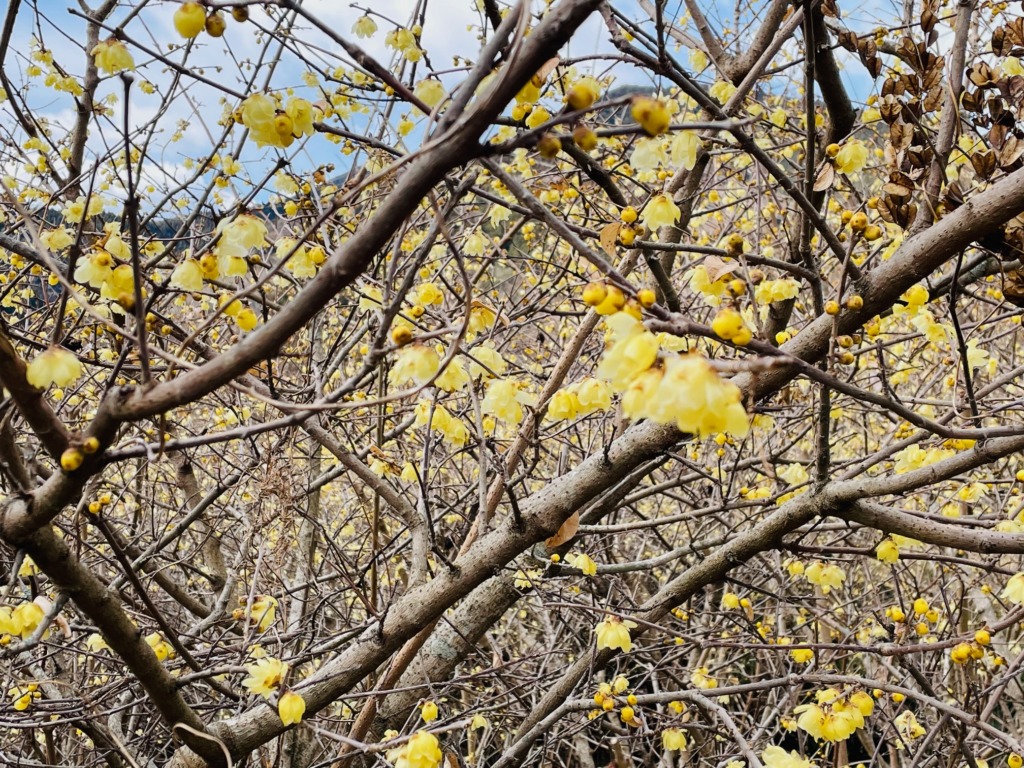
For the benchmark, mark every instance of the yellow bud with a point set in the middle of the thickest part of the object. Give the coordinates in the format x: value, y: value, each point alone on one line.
x: 71, y: 459
x: 629, y: 214
x: 595, y: 293
x: 189, y: 20
x: 91, y: 445
x: 584, y: 137
x: 549, y: 146
x: 401, y: 335
x: 215, y: 24
x: 832, y: 308
x: 647, y: 298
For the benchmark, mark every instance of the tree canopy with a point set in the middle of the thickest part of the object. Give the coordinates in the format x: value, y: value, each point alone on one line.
x: 483, y: 383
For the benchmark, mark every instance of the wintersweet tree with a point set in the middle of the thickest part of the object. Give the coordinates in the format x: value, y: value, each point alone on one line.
x: 465, y: 382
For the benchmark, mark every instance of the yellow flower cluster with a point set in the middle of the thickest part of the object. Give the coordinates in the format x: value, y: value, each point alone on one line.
x: 22, y: 696
x: 835, y: 715
x: 914, y: 457
x: 852, y: 157
x: 21, y: 621
x: 684, y: 390
x: 505, y: 399
x: 418, y: 363
x: 273, y: 126
x: 825, y: 575
x: 771, y: 291
x: 112, y: 56
x: 579, y: 399
x: 777, y: 757
x: 55, y: 365
x: 451, y: 427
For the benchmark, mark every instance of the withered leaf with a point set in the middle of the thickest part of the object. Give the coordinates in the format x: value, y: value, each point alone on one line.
x: 609, y: 234
x: 718, y: 268
x: 565, y: 532
x: 826, y: 177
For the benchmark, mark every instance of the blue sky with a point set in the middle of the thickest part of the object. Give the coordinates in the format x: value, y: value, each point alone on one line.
x: 449, y: 29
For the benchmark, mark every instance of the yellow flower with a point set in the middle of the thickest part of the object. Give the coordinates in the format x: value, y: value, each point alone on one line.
x: 584, y: 563
x: 887, y: 551
x: 689, y: 394
x: 263, y: 612
x: 632, y: 352
x: 652, y: 115
x: 301, y: 113
x: 57, y: 239
x: 265, y: 676
x: 430, y: 92
x: 851, y: 157
x: 95, y: 643
x: 25, y: 618
x: 1014, y: 589
x: 702, y: 679
x: 246, y: 319
x: 661, y: 211
x: 453, y: 378
x: 486, y: 362
x: 415, y: 362
x: 583, y: 93
x: 564, y: 405
x: 685, y: 147
x: 481, y: 317
x: 907, y: 725
x: 291, y: 707
x: 504, y: 399
x: 240, y: 234
x: 802, y: 655
x: 267, y: 125
x: 428, y: 712
x: 593, y: 395
x: 730, y: 601
x: 95, y: 269
x: 23, y: 695
x: 826, y: 576
x: 771, y: 291
x: 189, y: 20
x: 400, y: 39
x: 364, y: 27
x: 112, y: 56
x: 55, y: 365
x: 429, y: 293
x: 673, y: 740
x: 188, y: 276
x: 613, y: 633
x: 777, y: 757
x: 421, y: 751
x: 722, y: 91
x: 161, y: 647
